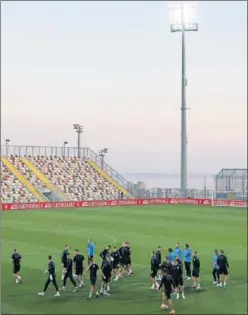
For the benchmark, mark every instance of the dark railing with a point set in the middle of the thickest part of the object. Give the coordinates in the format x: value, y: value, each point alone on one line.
x: 174, y: 193
x: 190, y: 193
x: 231, y: 180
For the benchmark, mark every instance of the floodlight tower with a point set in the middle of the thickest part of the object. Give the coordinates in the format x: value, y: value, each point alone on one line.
x: 102, y: 154
x: 183, y: 19
x: 79, y: 130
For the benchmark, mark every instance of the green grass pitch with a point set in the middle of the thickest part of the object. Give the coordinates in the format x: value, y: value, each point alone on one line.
x: 35, y: 234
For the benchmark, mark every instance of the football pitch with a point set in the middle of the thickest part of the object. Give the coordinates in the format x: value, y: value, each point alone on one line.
x: 36, y: 234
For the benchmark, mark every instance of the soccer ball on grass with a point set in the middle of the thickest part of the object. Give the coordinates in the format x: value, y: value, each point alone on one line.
x: 164, y: 306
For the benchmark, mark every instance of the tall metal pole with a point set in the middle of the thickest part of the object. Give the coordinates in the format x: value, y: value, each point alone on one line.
x: 183, y: 23
x: 79, y: 142
x: 102, y: 155
x: 79, y: 130
x: 183, y: 117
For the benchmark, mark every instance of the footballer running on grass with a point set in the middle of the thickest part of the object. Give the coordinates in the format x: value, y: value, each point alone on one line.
x: 106, y: 276
x: 64, y: 261
x: 69, y: 274
x: 51, y: 277
x: 154, y: 271
x: 168, y: 284
x: 16, y: 261
x: 93, y: 269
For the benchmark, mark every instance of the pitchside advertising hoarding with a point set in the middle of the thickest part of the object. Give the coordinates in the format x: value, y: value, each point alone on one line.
x: 124, y: 203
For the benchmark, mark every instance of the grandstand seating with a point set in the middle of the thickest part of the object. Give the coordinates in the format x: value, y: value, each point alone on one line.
x: 12, y: 190
x: 26, y: 172
x: 75, y: 177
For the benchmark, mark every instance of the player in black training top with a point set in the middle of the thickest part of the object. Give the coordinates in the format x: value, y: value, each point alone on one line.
x: 168, y: 283
x: 159, y: 260
x: 154, y: 271
x: 166, y: 264
x: 78, y: 261
x: 105, y: 253
x: 178, y: 278
x: 93, y: 269
x: 115, y: 258
x: 223, y: 264
x: 51, y: 277
x: 123, y: 255
x: 128, y: 258
x: 16, y: 261
x: 179, y: 260
x: 69, y: 274
x: 64, y: 260
x: 122, y: 261
x: 196, y: 271
x: 106, y: 276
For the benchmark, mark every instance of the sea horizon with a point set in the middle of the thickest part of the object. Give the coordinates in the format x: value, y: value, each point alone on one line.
x: 167, y: 180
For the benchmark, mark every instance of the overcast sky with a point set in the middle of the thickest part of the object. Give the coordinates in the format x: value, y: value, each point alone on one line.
x: 114, y: 67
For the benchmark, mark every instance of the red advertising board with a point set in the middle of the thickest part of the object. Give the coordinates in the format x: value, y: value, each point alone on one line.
x: 124, y: 202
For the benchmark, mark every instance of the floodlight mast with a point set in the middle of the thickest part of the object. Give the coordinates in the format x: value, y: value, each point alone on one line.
x: 79, y: 130
x: 102, y: 154
x: 181, y: 21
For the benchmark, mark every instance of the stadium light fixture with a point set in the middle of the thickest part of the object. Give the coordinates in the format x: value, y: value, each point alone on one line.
x: 183, y: 18
x: 79, y: 130
x: 102, y: 154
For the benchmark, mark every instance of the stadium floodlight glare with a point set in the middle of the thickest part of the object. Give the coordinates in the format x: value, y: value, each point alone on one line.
x: 183, y: 19
x: 79, y: 130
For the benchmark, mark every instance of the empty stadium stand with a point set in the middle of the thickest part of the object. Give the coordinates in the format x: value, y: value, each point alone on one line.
x: 12, y: 189
x: 75, y: 177
x: 69, y: 178
x: 26, y: 172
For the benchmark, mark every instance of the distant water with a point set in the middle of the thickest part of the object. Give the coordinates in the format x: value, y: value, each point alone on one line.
x: 153, y: 180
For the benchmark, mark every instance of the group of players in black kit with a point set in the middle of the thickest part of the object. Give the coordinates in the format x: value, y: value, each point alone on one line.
x: 171, y: 272
x: 167, y: 274
x: 115, y: 261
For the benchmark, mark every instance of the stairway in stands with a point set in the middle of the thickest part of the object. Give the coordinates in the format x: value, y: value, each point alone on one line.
x: 57, y: 194
x: 108, y: 177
